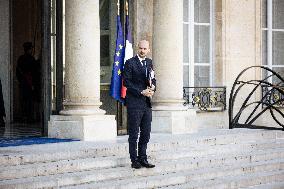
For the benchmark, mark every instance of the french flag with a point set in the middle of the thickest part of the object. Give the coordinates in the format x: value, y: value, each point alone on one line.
x: 128, y: 49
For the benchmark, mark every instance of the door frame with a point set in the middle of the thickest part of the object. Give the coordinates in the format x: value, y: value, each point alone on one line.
x: 46, y: 65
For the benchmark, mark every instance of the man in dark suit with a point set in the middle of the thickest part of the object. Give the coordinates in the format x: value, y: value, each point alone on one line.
x: 26, y: 68
x: 140, y: 82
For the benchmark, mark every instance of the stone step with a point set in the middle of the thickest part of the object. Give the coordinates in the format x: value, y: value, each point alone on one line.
x: 54, y: 165
x: 102, y: 175
x: 229, y: 155
x: 64, y: 151
x: 181, y: 177
x: 274, y: 185
x: 266, y: 180
x: 217, y: 149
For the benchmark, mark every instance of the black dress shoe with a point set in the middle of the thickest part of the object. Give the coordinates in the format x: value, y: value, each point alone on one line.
x: 136, y: 165
x: 146, y: 164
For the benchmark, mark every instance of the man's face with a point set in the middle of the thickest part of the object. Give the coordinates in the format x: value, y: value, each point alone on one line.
x: 143, y: 48
x: 28, y: 51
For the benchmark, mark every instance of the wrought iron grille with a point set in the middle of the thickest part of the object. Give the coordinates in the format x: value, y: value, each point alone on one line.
x: 251, y: 109
x: 205, y: 98
x: 272, y: 95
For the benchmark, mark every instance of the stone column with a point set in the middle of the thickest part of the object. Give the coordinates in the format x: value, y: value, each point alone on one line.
x: 169, y: 114
x: 82, y: 118
x: 82, y: 62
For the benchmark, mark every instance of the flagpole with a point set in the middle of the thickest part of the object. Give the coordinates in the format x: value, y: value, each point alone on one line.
x: 118, y: 6
x: 126, y: 7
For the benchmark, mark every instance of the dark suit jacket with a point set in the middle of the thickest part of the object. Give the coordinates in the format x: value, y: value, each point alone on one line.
x: 136, y: 81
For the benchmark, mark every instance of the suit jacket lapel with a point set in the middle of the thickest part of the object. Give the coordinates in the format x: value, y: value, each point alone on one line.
x: 148, y: 66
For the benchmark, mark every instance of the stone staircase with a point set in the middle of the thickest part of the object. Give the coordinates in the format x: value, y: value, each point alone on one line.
x: 238, y: 158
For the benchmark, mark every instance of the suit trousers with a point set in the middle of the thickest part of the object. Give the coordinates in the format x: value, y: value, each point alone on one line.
x: 138, y: 119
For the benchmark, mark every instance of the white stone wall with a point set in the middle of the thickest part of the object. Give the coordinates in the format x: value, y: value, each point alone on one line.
x: 5, y: 54
x: 241, y: 38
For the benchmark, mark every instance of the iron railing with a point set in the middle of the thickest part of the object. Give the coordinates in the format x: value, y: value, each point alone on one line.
x: 205, y: 98
x: 273, y: 95
x: 250, y: 109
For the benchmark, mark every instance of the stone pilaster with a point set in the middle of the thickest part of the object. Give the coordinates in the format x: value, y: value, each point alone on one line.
x: 82, y: 118
x: 241, y: 45
x: 169, y: 114
x: 241, y: 38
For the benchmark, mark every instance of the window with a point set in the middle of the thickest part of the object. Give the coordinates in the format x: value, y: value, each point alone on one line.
x: 273, y: 36
x: 198, y: 42
x: 53, y: 53
x: 57, y: 54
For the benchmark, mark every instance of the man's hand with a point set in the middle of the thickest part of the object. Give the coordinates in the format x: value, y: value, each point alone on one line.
x: 147, y: 92
x: 151, y: 93
x: 152, y: 88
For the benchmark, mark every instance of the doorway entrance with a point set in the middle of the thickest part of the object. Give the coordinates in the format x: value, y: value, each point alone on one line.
x: 26, y: 45
x: 42, y: 24
x: 28, y: 105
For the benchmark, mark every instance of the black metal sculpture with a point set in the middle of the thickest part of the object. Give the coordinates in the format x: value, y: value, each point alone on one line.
x: 272, y: 100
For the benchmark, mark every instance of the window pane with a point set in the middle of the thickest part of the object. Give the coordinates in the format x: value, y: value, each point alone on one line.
x: 53, y: 16
x: 264, y: 47
x: 186, y: 76
x: 104, y: 15
x: 264, y: 13
x: 201, y: 76
x: 185, y: 43
x: 202, y: 11
x: 278, y: 48
x: 185, y: 10
x: 202, y: 44
x: 104, y: 50
x: 53, y: 72
x: 278, y: 14
x: 264, y: 74
x: 280, y: 71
